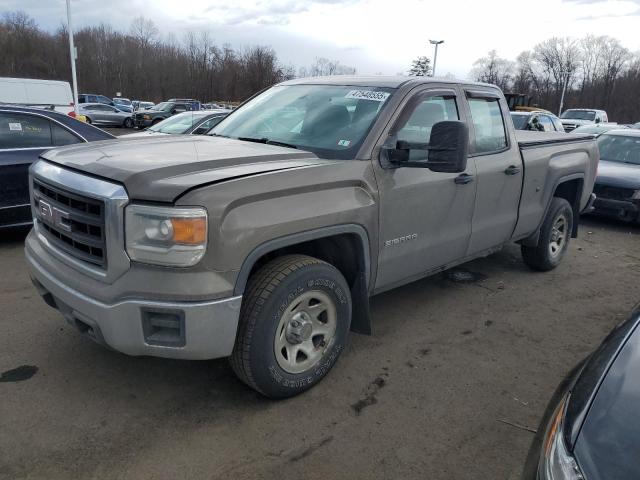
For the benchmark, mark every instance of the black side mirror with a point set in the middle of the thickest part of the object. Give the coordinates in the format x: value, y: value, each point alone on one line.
x: 598, y: 120
x: 448, y: 149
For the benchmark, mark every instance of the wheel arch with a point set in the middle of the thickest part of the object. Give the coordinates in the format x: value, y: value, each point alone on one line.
x: 346, y: 247
x: 570, y: 188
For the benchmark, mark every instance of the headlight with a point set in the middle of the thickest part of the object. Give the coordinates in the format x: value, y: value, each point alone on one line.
x: 147, y: 117
x: 174, y: 236
x: 556, y: 463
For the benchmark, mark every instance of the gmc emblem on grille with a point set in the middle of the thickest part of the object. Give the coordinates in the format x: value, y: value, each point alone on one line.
x: 54, y: 216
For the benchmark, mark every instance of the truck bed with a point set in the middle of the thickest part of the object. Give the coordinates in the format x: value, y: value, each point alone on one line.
x: 528, y: 139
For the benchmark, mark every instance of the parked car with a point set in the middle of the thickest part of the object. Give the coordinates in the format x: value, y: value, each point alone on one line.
x: 106, y: 115
x: 537, y: 121
x: 196, y: 123
x: 273, y: 231
x: 140, y: 105
x: 159, y: 112
x: 617, y: 186
x: 591, y: 428
x: 24, y: 134
x: 194, y: 104
x: 576, y: 117
x: 598, y: 129
x: 123, y: 104
x: 93, y: 98
x: 52, y: 94
x: 636, y: 125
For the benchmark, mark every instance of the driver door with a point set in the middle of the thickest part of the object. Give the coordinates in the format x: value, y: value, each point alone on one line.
x: 425, y: 216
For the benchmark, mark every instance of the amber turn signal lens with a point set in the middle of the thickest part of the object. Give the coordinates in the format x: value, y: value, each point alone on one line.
x: 189, y: 231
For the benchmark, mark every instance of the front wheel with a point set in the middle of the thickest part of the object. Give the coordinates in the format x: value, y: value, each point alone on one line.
x: 555, y: 234
x: 128, y: 123
x: 294, y: 322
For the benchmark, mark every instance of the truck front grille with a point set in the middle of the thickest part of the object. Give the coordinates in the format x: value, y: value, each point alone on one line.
x: 74, y: 223
x: 569, y: 127
x: 613, y: 193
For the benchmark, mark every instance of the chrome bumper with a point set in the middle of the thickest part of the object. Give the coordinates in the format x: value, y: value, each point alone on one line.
x: 182, y: 330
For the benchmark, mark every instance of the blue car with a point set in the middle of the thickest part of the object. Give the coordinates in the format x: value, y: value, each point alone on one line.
x: 24, y: 134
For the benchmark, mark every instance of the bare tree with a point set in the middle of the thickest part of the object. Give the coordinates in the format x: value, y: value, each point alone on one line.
x: 144, y: 31
x: 493, y: 69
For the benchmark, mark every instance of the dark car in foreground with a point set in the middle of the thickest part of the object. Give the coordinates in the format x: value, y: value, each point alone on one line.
x: 195, y: 123
x: 24, y: 134
x: 159, y: 112
x: 617, y: 186
x: 591, y: 429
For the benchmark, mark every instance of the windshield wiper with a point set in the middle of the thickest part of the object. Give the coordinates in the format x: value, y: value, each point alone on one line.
x: 217, y: 135
x: 267, y: 141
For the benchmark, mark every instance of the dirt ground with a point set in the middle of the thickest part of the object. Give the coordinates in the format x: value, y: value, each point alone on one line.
x: 446, y: 388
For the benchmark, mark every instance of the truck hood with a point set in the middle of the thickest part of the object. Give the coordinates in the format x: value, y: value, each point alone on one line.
x: 616, y: 174
x: 161, y: 168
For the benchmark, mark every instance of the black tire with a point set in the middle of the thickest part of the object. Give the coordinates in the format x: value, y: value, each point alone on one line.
x: 156, y: 121
x: 88, y: 120
x: 543, y: 257
x: 128, y: 123
x: 271, y: 292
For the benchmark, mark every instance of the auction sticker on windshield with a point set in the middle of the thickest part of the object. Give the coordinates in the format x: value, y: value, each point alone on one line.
x: 368, y: 95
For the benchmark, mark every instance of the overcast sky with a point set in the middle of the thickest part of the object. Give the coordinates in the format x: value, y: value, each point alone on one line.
x: 374, y: 36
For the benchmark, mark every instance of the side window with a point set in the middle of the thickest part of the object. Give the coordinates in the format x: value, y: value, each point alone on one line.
x: 558, y: 124
x: 19, y: 130
x: 93, y: 99
x: 62, y: 136
x: 418, y: 125
x: 207, y: 125
x: 546, y: 123
x: 488, y: 124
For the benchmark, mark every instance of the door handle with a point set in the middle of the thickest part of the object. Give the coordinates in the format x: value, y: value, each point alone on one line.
x: 463, y: 179
x: 512, y: 170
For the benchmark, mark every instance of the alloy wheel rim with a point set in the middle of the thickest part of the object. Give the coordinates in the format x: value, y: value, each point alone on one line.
x: 305, y: 332
x: 558, y: 236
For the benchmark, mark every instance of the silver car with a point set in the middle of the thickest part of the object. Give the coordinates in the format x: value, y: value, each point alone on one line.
x: 101, y: 114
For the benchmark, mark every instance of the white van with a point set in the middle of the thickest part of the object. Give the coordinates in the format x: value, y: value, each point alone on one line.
x: 37, y: 93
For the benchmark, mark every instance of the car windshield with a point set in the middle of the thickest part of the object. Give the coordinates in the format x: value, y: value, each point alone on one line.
x: 177, y: 124
x: 122, y: 101
x: 620, y: 148
x: 520, y: 121
x: 164, y: 106
x: 331, y: 121
x: 579, y: 114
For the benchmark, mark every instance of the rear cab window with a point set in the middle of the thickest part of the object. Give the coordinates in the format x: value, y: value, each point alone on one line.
x: 488, y: 123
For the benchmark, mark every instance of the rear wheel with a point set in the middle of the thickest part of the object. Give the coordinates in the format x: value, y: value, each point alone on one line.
x: 555, y: 234
x: 88, y: 120
x: 294, y: 323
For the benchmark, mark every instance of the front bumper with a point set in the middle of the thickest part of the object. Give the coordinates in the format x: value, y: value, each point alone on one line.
x: 625, y: 210
x: 183, y: 330
x: 142, y: 123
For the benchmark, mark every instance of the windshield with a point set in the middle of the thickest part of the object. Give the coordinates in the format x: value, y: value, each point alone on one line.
x: 164, y: 106
x: 177, y: 124
x: 520, y: 121
x: 619, y: 148
x: 579, y: 114
x: 328, y: 120
x: 122, y: 101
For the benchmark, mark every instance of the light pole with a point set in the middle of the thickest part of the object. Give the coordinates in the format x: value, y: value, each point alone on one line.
x: 435, y: 55
x: 72, y: 51
x: 564, y: 88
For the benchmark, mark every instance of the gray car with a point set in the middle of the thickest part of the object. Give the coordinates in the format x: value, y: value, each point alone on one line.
x: 101, y: 114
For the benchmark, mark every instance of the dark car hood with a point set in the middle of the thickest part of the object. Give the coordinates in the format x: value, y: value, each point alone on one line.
x: 162, y: 168
x: 607, y: 445
x: 624, y: 175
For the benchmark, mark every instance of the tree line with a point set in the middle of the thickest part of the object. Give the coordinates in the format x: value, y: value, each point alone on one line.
x: 143, y: 65
x: 597, y: 72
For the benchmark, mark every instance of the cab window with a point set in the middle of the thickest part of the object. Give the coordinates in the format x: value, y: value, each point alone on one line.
x: 425, y: 114
x: 488, y: 124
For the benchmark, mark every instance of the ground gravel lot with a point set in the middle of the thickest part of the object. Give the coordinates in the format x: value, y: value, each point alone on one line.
x: 427, y: 396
